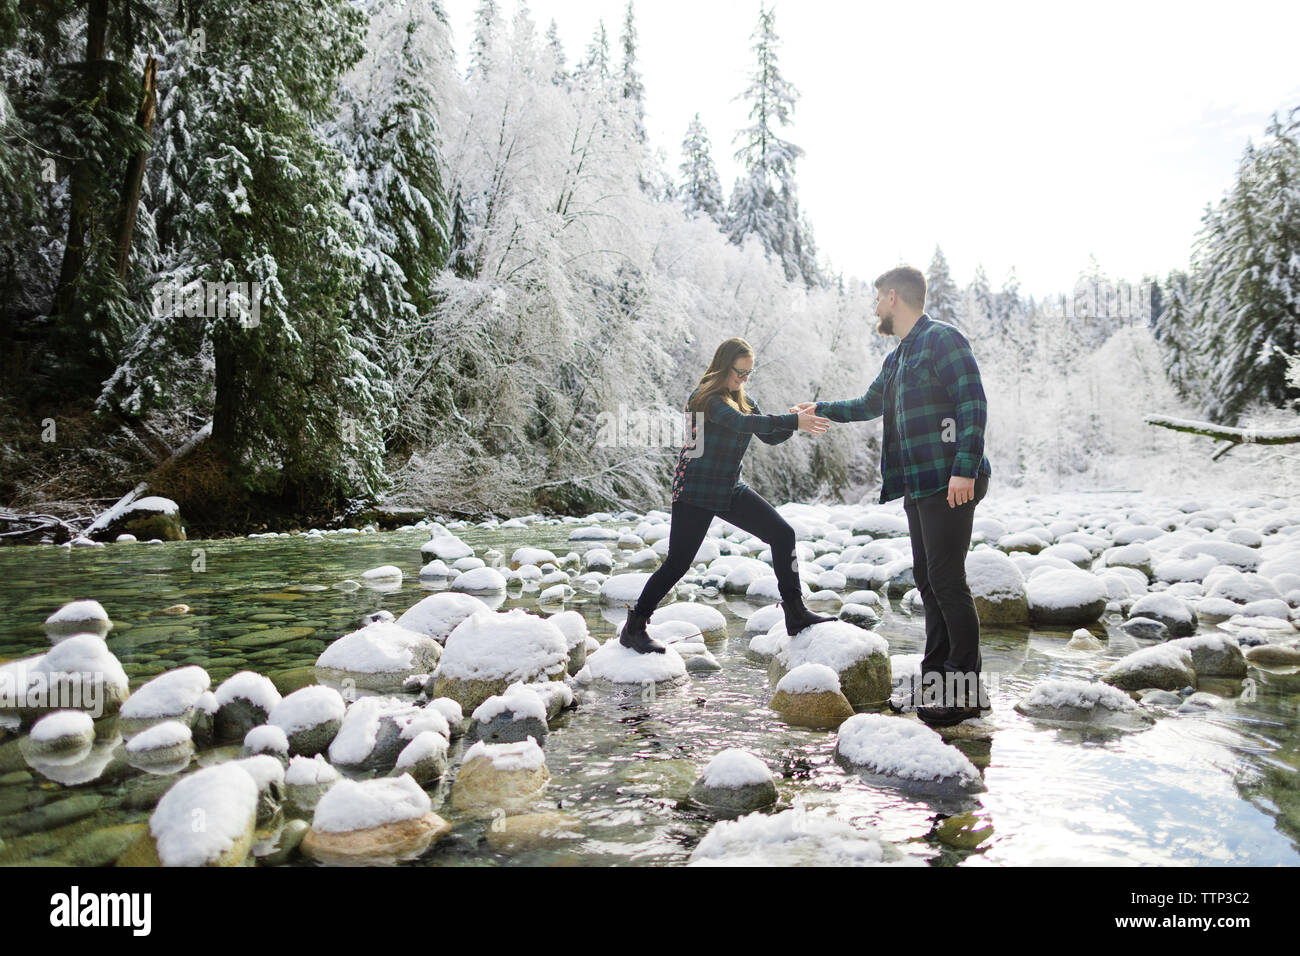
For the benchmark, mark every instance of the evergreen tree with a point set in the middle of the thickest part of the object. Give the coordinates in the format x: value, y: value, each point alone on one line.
x: 560, y: 72
x: 1008, y: 307
x: 942, y: 298
x: 764, y: 202
x: 979, y: 304
x: 1246, y: 277
x: 594, y: 68
x: 700, y: 190
x: 1175, y: 332
x: 633, y: 88
x: 487, y: 31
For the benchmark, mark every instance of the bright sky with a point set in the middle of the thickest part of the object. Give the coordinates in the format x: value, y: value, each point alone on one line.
x: 1011, y: 134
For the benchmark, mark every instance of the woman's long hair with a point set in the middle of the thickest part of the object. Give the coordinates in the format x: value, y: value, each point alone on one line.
x: 714, y: 381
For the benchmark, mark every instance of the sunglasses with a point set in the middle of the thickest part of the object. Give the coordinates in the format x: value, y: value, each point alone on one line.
x: 744, y: 376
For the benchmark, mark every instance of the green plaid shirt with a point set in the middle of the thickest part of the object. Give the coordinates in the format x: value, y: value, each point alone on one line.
x: 712, y: 477
x: 930, y: 394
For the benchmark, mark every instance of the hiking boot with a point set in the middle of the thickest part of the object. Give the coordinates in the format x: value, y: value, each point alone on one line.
x: 798, y: 617
x: 635, y: 636
x: 946, y: 716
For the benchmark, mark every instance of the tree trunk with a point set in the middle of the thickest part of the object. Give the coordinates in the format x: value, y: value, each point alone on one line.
x: 135, y: 169
x: 81, y: 179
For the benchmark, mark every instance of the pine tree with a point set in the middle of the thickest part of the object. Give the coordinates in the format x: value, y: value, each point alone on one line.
x: 765, y: 202
x: 1008, y: 307
x: 1246, y: 277
x: 594, y: 68
x: 942, y: 298
x: 633, y: 88
x: 560, y: 72
x: 979, y: 304
x: 1175, y: 332
x: 700, y: 190
x: 487, y: 31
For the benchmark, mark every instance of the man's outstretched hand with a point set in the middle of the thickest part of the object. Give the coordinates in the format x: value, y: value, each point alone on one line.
x: 960, y: 490
x: 804, y: 407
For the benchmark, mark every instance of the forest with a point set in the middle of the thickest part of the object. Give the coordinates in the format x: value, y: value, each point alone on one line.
x: 362, y: 275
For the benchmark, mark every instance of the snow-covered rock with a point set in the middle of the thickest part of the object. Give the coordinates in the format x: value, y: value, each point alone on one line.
x: 224, y: 797
x: 997, y: 586
x: 1175, y: 613
x: 1065, y: 596
x: 306, y: 780
x: 379, y: 656
x: 792, y: 838
x: 172, y: 695
x: 1078, y: 702
x: 373, y: 823
x: 513, y: 716
x: 62, y: 732
x: 810, y: 696
x: 488, y: 651
x: 1163, y: 666
x: 708, y: 620
x: 906, y: 753
x: 505, y: 776
x: 859, y: 658
x: 437, y: 615
x: 78, y: 617
x: 1214, y: 654
x: 310, y: 717
x: 616, y: 664
x: 480, y: 581
x: 244, y: 700
x: 734, y: 782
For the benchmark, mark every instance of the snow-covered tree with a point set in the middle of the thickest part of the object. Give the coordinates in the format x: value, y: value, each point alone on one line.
x: 1246, y: 277
x: 700, y: 190
x: 1175, y: 332
x: 633, y: 88
x: 764, y: 202
x: 942, y: 298
x: 559, y: 68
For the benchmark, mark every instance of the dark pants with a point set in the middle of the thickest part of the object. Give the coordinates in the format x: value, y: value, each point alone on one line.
x: 940, y: 542
x: 690, y: 524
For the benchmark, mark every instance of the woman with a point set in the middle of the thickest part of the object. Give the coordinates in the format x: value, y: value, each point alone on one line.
x: 707, y: 483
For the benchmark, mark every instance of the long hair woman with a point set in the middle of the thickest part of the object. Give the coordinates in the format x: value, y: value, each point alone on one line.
x: 707, y: 483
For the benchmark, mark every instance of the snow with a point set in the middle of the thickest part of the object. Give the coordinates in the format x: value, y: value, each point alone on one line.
x: 572, y: 625
x: 1064, y: 587
x: 700, y: 616
x: 519, y: 699
x: 360, y: 729
x: 896, y: 747
x: 1161, y: 655
x: 424, y: 746
x: 837, y: 644
x: 514, y: 645
x: 480, y: 579
x: 250, y: 686
x: 437, y: 615
x: 1078, y: 693
x: 168, y: 695
x: 622, y: 665
x: 266, y: 738
x: 264, y: 769
x: 533, y: 556
x: 78, y: 612
x: 810, y: 678
x: 379, y: 648
x: 387, y: 572
x: 448, y: 548
x: 523, y: 755
x: 734, y: 768
x: 169, y: 733
x: 790, y: 838
x: 307, y: 707
x: 224, y: 797
x: 80, y: 654
x: 418, y: 720
x: 63, y: 723
x: 993, y: 575
x: 624, y: 588
x: 309, y: 771
x: 448, y: 708
x: 153, y: 503
x: 361, y: 804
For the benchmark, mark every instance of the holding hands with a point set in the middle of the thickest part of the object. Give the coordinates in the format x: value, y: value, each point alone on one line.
x: 809, y: 420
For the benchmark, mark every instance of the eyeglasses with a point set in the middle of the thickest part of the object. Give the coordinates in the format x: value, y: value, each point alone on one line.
x: 744, y: 376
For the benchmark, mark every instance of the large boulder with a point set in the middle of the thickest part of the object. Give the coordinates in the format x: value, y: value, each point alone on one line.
x: 223, y: 798
x: 1067, y: 596
x: 379, y: 656
x: 500, y: 776
x: 373, y: 823
x: 997, y: 586
x: 146, y: 519
x: 1163, y: 666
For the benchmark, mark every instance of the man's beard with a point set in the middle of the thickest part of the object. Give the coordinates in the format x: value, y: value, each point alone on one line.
x: 886, y: 325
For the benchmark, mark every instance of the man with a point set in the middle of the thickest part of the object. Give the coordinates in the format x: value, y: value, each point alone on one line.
x: 930, y: 395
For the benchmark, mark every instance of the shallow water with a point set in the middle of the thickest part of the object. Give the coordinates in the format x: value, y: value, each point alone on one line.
x: 1205, y: 789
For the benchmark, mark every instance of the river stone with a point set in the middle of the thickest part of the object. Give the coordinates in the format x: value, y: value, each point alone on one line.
x: 379, y: 656
x: 860, y: 658
x: 859, y: 614
x: 222, y: 795
x: 1214, y: 655
x: 306, y: 780
x: 1089, y: 703
x: 381, y: 845
x: 62, y: 732
x: 821, y: 710
x: 270, y: 636
x: 1273, y: 655
x: 1163, y: 666
x: 506, y: 776
x: 78, y: 617
x: 734, y: 782
x: 1145, y: 628
x: 532, y: 831
x: 424, y: 758
x: 102, y: 847
x: 1065, y: 596
x: 146, y: 518
x: 905, y: 753
x: 245, y: 701
x: 997, y: 587
x: 286, y: 843
x: 310, y: 718
x: 1173, y: 612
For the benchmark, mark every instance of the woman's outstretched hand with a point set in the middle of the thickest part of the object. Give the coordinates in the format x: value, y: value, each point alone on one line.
x: 809, y: 420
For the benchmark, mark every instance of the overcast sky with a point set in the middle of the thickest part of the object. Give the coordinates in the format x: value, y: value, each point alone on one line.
x: 1010, y: 134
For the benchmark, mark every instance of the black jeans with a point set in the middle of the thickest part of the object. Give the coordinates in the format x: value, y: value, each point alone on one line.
x: 940, y: 541
x: 690, y: 524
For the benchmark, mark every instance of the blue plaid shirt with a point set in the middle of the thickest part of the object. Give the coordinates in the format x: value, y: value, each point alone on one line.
x: 712, y: 477
x: 930, y: 394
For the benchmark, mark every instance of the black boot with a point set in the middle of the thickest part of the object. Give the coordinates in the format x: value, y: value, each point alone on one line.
x: 798, y: 617
x: 634, y: 634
